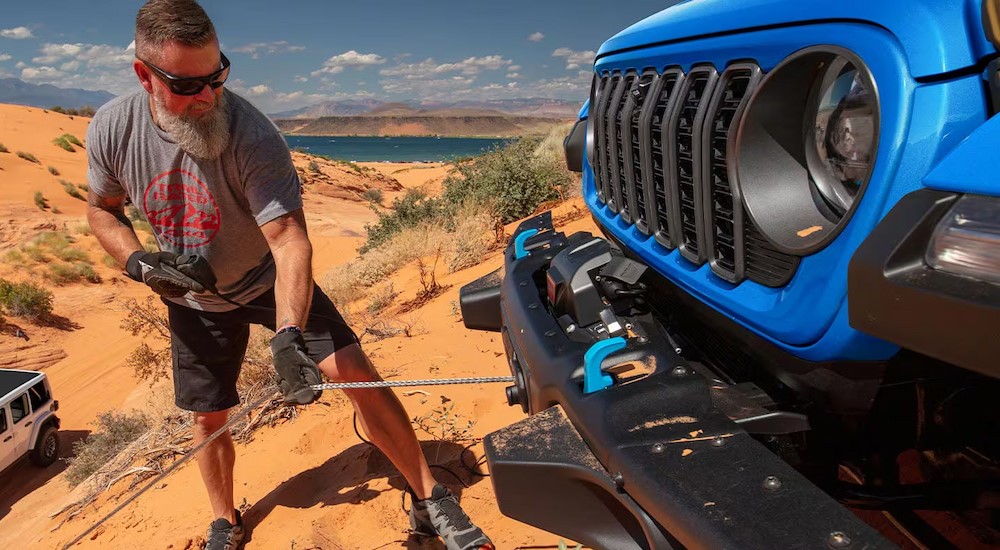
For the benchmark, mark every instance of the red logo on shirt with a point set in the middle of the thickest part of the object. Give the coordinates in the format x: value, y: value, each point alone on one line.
x: 181, y: 210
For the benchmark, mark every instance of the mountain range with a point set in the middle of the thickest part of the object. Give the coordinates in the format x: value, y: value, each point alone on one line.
x: 526, y: 107
x: 19, y: 92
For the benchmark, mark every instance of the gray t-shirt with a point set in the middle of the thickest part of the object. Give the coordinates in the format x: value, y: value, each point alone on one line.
x: 212, y: 208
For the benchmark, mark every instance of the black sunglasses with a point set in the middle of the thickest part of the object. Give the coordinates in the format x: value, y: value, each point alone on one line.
x: 191, y: 85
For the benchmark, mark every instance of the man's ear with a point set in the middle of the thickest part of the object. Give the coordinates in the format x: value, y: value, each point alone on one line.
x: 145, y: 76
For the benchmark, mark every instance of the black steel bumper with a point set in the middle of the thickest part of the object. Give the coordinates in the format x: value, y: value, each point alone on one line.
x: 651, y: 461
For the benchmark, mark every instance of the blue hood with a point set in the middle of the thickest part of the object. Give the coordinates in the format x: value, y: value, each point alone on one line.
x: 938, y: 36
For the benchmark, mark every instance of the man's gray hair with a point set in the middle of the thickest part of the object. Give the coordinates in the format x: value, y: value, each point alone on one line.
x: 162, y: 21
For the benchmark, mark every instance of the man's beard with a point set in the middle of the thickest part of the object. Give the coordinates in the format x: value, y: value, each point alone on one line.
x: 204, y: 137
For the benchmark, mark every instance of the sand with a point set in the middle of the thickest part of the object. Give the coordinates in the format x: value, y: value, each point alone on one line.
x: 308, y: 483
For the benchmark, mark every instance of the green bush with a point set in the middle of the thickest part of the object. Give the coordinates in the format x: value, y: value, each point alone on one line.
x: 71, y: 190
x: 512, y: 180
x: 314, y: 167
x: 115, y: 431
x: 72, y: 139
x: 40, y: 201
x: 373, y: 196
x: 25, y: 299
x: 63, y: 143
x: 410, y: 210
x: 53, y: 171
x: 28, y: 157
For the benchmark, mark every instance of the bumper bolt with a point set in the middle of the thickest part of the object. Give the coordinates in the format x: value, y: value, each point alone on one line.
x: 571, y: 328
x: 719, y: 441
x: 772, y: 483
x: 657, y: 448
x: 838, y: 539
x: 619, y: 480
x: 642, y: 339
x: 679, y: 370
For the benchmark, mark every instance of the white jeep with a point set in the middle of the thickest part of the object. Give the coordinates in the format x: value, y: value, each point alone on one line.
x: 28, y: 421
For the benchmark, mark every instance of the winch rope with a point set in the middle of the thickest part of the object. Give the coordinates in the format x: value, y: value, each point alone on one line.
x: 235, y: 418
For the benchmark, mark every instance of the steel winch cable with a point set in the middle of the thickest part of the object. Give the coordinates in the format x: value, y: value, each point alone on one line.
x: 235, y: 418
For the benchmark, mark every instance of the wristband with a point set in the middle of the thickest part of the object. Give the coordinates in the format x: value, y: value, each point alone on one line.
x: 288, y: 328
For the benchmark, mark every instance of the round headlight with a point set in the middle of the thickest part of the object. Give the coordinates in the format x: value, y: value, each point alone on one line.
x: 844, y: 136
x: 805, y: 148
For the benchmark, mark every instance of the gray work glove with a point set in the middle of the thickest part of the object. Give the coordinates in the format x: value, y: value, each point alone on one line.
x: 169, y: 274
x: 296, y: 371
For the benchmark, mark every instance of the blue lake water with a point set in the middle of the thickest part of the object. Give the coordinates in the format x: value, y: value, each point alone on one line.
x: 399, y: 149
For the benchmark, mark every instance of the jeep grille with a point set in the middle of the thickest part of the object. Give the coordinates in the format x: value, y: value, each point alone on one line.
x: 661, y: 161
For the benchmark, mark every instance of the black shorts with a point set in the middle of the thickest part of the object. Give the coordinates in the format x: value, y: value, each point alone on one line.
x: 208, y: 347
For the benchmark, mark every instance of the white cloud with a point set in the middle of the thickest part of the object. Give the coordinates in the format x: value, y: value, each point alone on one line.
x: 21, y: 65
x: 575, y: 59
x: 301, y: 79
x: 536, y: 37
x: 514, y: 68
x: 41, y: 74
x: 339, y: 62
x: 429, y: 67
x: 259, y: 90
x: 17, y: 33
x: 87, y: 66
x: 254, y: 50
x: 513, y: 75
x: 93, y: 55
x: 5, y: 57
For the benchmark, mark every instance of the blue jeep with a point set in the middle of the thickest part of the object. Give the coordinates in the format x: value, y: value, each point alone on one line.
x: 795, y: 305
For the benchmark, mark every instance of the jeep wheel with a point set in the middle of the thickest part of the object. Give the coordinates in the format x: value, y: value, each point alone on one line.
x: 46, y: 449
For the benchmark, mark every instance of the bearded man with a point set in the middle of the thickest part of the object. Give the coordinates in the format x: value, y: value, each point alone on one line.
x: 214, y: 179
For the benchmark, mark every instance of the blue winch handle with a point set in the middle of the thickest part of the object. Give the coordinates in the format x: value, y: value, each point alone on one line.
x: 593, y: 378
x: 519, y: 251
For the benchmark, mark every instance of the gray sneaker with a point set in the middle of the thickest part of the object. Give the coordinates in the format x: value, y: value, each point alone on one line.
x: 442, y: 516
x: 223, y: 535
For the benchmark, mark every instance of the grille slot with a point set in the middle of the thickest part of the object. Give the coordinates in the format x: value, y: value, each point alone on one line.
x: 723, y: 207
x: 663, y: 142
x: 621, y: 146
x: 602, y: 97
x: 666, y: 92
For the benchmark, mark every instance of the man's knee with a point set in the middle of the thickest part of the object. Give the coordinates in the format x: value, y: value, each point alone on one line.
x: 349, y: 364
x: 209, y: 422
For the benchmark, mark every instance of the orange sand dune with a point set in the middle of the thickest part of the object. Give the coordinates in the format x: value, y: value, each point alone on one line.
x: 309, y: 483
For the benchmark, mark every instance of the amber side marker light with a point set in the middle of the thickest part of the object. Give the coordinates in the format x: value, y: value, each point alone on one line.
x: 991, y: 21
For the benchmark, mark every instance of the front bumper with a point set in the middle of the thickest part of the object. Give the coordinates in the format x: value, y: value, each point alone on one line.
x: 652, y: 461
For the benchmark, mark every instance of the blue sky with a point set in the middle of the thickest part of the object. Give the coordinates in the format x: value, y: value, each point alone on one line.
x: 291, y: 54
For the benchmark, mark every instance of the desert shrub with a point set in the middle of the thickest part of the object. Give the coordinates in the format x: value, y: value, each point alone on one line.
x: 314, y: 167
x: 63, y: 143
x: 3, y: 149
x: 68, y: 273
x: 142, y: 225
x: 72, y: 139
x: 115, y: 431
x: 35, y: 253
x: 67, y: 254
x: 373, y: 196
x: 511, y: 180
x: 410, y: 210
x: 83, y: 187
x: 381, y: 298
x: 148, y: 319
x: 71, y: 190
x: 110, y: 261
x: 13, y: 256
x: 28, y: 157
x: 133, y: 213
x: 82, y: 229
x: 53, y: 171
x: 25, y: 299
x: 40, y: 201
